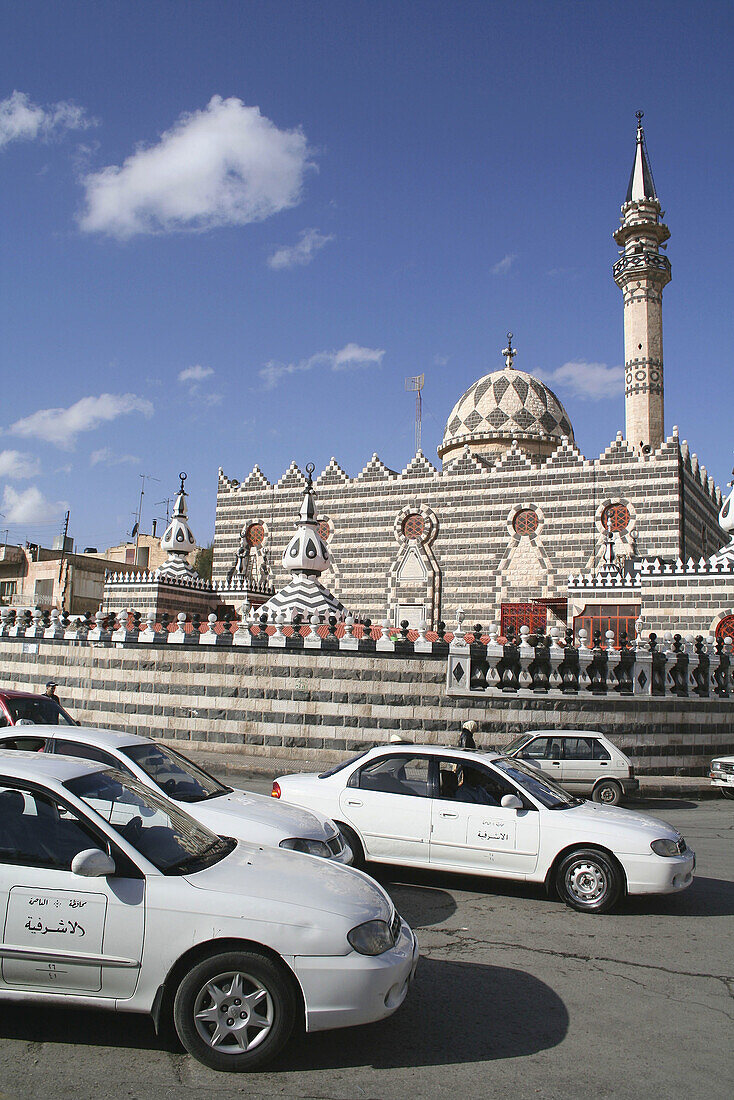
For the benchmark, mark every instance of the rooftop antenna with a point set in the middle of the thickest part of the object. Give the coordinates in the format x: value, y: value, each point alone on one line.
x: 167, y: 503
x: 136, y: 528
x: 415, y: 384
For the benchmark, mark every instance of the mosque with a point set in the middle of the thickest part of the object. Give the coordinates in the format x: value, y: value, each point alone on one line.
x: 514, y: 508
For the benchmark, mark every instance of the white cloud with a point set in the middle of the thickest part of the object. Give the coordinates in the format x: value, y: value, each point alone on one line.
x: 309, y: 243
x: 195, y: 374
x: 193, y: 377
x: 592, y: 381
x: 349, y: 357
x: 62, y: 426
x: 109, y: 458
x: 21, y: 120
x: 224, y: 165
x: 504, y: 264
x: 17, y: 464
x: 30, y: 506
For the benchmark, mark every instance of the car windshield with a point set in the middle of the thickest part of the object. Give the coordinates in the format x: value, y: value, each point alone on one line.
x: 167, y: 837
x: 550, y: 794
x: 174, y: 774
x: 38, y: 710
x: 517, y: 743
x: 344, y: 764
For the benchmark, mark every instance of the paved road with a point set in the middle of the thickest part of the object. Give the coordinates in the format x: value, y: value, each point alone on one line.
x: 516, y: 997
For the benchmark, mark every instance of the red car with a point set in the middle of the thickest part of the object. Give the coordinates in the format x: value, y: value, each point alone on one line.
x: 26, y: 709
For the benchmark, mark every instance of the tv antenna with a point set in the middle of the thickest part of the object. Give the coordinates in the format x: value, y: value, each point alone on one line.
x: 415, y: 384
x: 136, y: 528
x: 167, y: 503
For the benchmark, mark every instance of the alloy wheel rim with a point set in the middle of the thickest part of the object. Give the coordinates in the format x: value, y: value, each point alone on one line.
x: 233, y: 1012
x: 607, y: 794
x: 586, y: 882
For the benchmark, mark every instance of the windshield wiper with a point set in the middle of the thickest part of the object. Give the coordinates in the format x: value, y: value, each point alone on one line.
x: 190, y: 863
x: 216, y: 794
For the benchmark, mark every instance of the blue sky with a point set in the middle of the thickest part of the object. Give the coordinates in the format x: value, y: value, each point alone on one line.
x: 230, y: 231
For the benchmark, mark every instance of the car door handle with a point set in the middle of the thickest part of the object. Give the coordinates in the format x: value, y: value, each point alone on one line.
x: 353, y: 802
x: 444, y: 814
x: 556, y: 763
x: 603, y: 763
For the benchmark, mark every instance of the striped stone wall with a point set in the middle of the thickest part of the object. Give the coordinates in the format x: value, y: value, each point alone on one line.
x: 469, y: 555
x: 311, y: 708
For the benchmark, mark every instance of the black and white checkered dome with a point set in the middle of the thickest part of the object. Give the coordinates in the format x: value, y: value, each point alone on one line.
x: 507, y: 404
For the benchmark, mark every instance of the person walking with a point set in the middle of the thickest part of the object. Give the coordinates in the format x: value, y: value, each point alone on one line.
x: 466, y: 737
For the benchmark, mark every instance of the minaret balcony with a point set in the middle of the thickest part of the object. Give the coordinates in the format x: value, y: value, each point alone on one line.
x: 642, y: 265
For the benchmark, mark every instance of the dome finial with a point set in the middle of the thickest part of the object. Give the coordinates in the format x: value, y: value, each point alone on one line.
x: 639, y: 115
x: 509, y: 352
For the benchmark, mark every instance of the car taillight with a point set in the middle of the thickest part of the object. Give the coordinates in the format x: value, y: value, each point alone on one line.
x: 275, y: 793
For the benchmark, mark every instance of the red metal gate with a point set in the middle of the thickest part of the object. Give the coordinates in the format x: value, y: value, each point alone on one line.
x: 515, y: 615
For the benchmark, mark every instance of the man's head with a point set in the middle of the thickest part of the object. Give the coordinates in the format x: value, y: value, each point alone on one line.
x: 51, y: 687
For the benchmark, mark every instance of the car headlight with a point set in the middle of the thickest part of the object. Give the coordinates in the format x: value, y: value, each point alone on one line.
x: 310, y: 847
x: 716, y: 766
x: 372, y: 938
x: 667, y: 847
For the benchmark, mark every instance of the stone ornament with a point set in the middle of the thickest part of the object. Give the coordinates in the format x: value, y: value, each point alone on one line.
x: 178, y: 540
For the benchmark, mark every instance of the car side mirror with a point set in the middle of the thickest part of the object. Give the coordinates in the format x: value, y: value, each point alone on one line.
x: 511, y: 802
x: 92, y: 863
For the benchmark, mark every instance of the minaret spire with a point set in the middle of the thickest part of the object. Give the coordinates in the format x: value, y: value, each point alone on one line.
x: 641, y: 185
x: 641, y: 273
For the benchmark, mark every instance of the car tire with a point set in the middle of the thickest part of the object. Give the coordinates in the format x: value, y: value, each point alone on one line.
x: 608, y: 792
x: 727, y: 792
x: 589, y: 881
x: 354, y: 843
x: 235, y: 1011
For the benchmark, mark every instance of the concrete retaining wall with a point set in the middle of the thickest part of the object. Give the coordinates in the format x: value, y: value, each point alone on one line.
x: 312, y: 708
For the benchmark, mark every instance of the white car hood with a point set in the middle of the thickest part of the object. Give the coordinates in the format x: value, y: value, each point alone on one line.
x: 613, y: 818
x: 297, y: 883
x: 259, y: 818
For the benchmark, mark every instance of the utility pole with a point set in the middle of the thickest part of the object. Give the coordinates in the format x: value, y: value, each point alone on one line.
x: 144, y: 478
x: 61, y: 560
x: 416, y: 384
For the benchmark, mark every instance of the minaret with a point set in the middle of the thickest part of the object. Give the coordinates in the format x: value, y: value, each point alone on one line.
x: 178, y: 541
x: 641, y: 273
x: 306, y: 556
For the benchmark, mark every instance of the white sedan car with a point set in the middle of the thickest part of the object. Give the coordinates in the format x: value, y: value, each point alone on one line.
x: 113, y: 897
x: 721, y: 775
x: 222, y: 809
x: 489, y: 814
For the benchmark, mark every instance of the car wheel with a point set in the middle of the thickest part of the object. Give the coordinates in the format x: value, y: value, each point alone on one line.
x: 354, y: 843
x: 728, y: 792
x: 589, y: 881
x: 608, y: 792
x: 234, y: 1011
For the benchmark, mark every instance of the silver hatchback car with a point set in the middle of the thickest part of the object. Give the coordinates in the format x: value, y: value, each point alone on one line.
x: 582, y: 761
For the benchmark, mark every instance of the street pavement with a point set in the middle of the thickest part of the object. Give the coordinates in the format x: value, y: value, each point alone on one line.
x: 516, y: 997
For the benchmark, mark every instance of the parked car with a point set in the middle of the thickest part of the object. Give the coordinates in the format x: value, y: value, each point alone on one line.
x: 27, y: 709
x: 489, y: 814
x: 722, y: 775
x: 111, y: 896
x: 582, y: 761
x: 222, y: 809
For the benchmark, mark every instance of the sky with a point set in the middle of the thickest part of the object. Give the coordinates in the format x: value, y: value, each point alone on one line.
x: 230, y: 231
